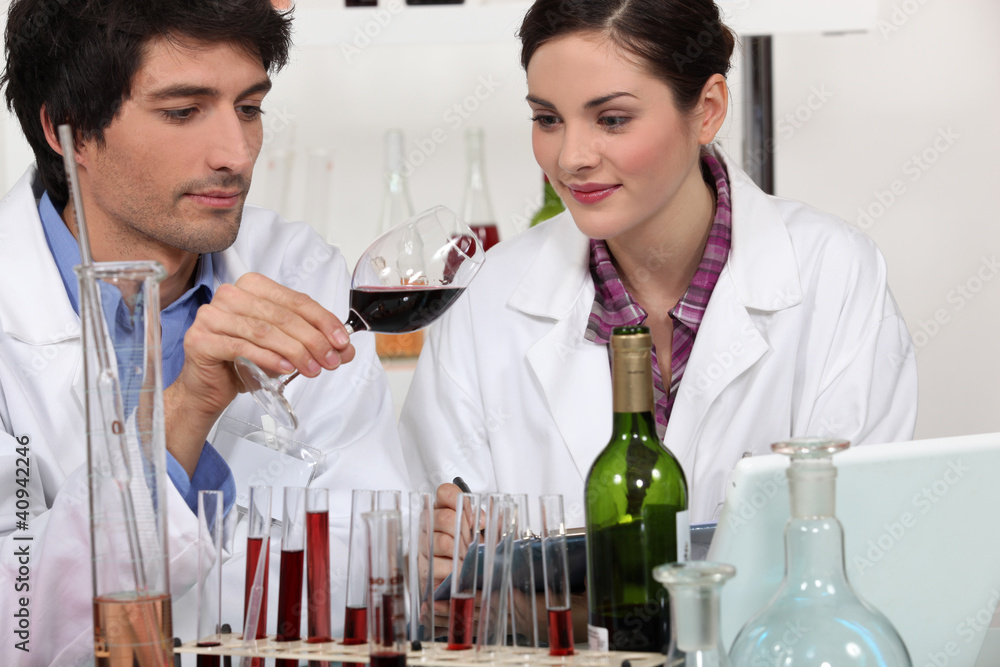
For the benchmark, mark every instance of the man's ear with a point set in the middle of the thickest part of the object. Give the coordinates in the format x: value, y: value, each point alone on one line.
x: 51, y: 136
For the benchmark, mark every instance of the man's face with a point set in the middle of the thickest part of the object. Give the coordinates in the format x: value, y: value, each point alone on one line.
x: 175, y: 167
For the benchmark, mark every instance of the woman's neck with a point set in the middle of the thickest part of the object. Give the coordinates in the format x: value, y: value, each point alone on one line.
x: 656, y: 261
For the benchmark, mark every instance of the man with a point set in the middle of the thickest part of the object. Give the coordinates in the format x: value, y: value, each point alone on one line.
x: 165, y: 100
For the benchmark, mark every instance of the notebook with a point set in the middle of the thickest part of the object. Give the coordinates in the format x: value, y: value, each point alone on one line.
x: 922, y: 540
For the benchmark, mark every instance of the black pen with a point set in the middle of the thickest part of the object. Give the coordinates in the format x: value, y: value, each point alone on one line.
x: 460, y: 483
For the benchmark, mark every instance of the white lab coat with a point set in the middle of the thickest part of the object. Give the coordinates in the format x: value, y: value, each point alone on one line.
x: 801, y: 337
x: 347, y: 414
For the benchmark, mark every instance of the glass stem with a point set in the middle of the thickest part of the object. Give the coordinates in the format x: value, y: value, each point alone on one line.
x: 284, y: 383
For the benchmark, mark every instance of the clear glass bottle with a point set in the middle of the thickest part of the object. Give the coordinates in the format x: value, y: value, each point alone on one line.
x: 636, y: 500
x: 396, y: 204
x: 816, y: 618
x: 396, y: 207
x: 477, y: 210
x: 695, y: 588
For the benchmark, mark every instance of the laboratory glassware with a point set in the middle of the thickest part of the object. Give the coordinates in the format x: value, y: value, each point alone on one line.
x: 386, y: 598
x: 421, y: 560
x: 636, y: 500
x: 120, y: 315
x: 498, y: 542
x: 555, y: 568
x: 831, y: 623
x: 695, y: 589
x: 318, y: 565
x: 523, y: 613
x: 210, y: 518
x: 258, y: 563
x: 293, y: 546
x: 356, y: 608
x: 465, y: 567
x: 407, y: 278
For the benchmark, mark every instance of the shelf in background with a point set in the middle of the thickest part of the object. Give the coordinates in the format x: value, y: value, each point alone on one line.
x: 397, y: 23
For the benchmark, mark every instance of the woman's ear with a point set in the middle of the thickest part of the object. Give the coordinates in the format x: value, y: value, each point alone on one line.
x: 712, y: 108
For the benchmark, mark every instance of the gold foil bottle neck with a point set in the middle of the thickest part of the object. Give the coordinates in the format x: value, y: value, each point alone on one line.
x: 631, y: 370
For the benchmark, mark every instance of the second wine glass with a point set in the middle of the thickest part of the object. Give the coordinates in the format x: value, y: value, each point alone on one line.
x: 407, y: 278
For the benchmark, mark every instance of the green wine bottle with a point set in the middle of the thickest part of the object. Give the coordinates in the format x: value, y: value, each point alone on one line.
x: 636, y: 501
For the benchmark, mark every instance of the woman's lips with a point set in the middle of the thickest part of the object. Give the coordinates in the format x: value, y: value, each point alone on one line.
x: 591, y: 193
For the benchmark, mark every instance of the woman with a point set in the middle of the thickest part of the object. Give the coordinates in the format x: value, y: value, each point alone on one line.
x: 771, y: 319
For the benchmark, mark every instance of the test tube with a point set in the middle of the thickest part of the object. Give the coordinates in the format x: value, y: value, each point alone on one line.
x: 209, y: 574
x: 496, y: 575
x: 389, y: 500
x: 356, y: 612
x: 293, y: 544
x: 422, y: 569
x: 258, y: 553
x: 465, y: 563
x: 386, y: 603
x: 523, y: 613
x: 318, y: 564
x: 555, y: 566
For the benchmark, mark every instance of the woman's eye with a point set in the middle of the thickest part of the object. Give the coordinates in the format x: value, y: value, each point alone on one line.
x: 545, y: 120
x: 614, y: 122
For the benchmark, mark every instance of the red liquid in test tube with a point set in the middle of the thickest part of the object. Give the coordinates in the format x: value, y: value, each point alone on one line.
x: 318, y: 575
x: 460, y: 622
x: 560, y: 632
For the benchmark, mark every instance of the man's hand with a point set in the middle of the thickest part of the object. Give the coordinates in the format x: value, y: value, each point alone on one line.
x: 279, y: 329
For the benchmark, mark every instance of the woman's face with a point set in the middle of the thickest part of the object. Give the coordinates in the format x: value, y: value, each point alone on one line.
x: 608, y: 136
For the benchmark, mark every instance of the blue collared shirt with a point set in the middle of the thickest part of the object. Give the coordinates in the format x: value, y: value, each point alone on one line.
x: 212, y: 471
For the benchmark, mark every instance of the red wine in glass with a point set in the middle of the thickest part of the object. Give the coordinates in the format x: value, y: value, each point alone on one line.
x: 290, y: 601
x: 388, y: 659
x: 560, y: 632
x: 254, y: 545
x: 399, y: 309
x: 460, y: 622
x: 318, y: 575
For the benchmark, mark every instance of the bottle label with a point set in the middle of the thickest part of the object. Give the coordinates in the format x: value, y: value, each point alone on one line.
x: 683, y: 537
x: 597, y: 638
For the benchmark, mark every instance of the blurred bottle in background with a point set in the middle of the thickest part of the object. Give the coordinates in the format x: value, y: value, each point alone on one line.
x: 477, y: 210
x: 396, y: 207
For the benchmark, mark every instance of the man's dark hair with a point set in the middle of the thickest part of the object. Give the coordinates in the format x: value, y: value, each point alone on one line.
x: 78, y: 58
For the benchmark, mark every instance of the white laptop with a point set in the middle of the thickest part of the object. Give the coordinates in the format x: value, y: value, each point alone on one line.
x: 922, y: 541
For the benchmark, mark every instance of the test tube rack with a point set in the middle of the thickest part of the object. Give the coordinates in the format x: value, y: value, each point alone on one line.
x: 436, y: 656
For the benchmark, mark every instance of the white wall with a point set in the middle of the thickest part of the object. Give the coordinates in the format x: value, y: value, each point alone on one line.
x: 926, y: 83
x: 861, y: 105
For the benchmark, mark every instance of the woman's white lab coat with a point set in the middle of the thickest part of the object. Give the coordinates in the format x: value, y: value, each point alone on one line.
x: 801, y: 337
x: 347, y: 415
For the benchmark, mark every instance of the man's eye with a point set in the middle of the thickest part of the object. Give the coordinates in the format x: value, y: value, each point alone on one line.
x: 178, y: 114
x: 250, y: 111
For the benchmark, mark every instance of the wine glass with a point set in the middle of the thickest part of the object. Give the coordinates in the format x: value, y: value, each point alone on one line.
x: 406, y: 279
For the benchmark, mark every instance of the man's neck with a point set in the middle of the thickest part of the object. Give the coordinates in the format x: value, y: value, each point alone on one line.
x: 181, y: 266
